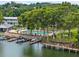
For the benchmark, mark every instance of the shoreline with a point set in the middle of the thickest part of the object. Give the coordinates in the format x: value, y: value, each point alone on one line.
x: 60, y: 47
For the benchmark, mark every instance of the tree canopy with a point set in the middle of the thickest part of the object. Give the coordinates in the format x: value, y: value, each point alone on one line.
x: 1, y: 17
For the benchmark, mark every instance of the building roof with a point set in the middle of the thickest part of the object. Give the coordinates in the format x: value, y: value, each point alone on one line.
x: 10, y: 17
x: 5, y: 26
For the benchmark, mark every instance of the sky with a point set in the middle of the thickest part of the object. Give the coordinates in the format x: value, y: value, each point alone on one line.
x: 34, y: 1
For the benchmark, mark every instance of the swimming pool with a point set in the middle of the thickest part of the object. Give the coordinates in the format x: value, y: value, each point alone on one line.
x: 39, y: 32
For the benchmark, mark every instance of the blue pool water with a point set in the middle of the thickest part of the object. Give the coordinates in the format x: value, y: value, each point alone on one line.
x: 39, y: 32
x: 34, y: 32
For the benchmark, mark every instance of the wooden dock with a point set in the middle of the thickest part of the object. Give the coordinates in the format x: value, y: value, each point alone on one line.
x: 12, y: 39
x: 21, y: 38
x: 61, y: 47
x: 23, y: 41
x: 35, y: 41
x: 16, y: 35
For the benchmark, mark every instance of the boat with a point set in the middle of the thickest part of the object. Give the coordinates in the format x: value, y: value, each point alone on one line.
x: 2, y: 38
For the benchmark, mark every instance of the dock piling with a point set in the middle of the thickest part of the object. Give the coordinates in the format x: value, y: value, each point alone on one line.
x: 61, y: 47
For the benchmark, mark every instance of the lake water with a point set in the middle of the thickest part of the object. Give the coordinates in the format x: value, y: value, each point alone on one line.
x: 11, y: 49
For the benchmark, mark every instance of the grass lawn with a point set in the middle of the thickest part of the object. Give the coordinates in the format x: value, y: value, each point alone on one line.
x: 66, y: 38
x: 1, y: 33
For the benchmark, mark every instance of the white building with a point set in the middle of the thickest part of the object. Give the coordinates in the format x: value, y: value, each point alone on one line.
x: 8, y: 23
x: 11, y: 20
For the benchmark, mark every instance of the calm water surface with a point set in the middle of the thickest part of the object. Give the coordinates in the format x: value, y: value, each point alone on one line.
x: 11, y: 49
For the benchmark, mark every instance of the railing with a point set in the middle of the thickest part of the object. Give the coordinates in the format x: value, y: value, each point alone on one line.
x: 64, y: 47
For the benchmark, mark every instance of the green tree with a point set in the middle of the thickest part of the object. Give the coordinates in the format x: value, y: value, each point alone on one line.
x: 1, y: 17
